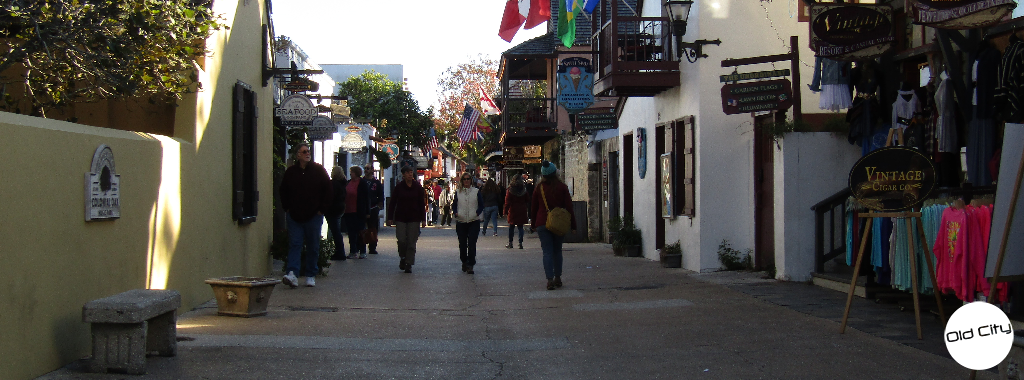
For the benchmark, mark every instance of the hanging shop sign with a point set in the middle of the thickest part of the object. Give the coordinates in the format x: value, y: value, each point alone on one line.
x: 892, y: 179
x: 296, y: 110
x: 300, y: 84
x: 323, y: 129
x: 641, y: 143
x: 513, y: 165
x: 531, y: 151
x: 746, y: 97
x: 575, y: 84
x: 532, y: 161
x: 355, y: 138
x: 391, y: 149
x: 960, y: 14
x: 850, y: 32
x: 102, y: 187
x: 512, y: 153
x: 735, y: 77
x: 597, y: 119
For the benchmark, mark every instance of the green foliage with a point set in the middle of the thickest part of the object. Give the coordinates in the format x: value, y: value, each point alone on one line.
x: 628, y: 235
x: 733, y: 259
x: 615, y: 224
x: 390, y: 109
x: 81, y: 51
x: 673, y: 249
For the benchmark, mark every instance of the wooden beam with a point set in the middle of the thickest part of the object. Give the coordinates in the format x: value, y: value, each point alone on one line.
x: 756, y: 60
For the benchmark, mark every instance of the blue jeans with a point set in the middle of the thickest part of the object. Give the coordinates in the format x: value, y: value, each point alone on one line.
x: 355, y: 226
x: 551, y: 244
x: 490, y: 214
x: 467, y: 233
x: 306, y: 233
x: 335, y: 226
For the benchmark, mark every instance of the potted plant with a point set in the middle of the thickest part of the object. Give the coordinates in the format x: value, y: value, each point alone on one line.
x: 614, y: 225
x: 672, y: 256
x: 628, y: 238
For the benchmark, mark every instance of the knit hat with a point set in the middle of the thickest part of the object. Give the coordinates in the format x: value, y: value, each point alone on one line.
x: 547, y: 168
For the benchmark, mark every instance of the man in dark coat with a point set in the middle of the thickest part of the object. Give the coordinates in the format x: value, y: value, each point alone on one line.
x: 375, y: 194
x: 306, y: 194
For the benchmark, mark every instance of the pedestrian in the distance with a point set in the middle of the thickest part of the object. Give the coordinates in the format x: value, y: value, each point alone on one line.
x: 428, y: 192
x: 517, y: 207
x: 435, y: 201
x: 375, y: 195
x: 404, y: 212
x: 356, y: 208
x: 550, y: 193
x: 334, y: 213
x: 467, y: 204
x: 306, y: 196
x: 492, y: 196
x: 446, y: 203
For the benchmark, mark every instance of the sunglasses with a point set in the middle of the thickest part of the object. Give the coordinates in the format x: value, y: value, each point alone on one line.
x: 303, y: 151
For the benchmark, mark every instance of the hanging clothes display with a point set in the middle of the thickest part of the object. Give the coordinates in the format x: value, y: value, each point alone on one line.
x: 945, y: 124
x: 1008, y: 102
x: 961, y: 250
x: 864, y: 114
x: 904, y: 109
x: 981, y: 133
x: 832, y: 80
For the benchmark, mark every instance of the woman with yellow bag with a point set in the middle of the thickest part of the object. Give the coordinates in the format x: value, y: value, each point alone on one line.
x: 551, y: 209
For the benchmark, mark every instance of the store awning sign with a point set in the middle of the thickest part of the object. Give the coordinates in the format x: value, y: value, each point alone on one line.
x: 597, y: 119
x: 892, y: 179
x: 296, y: 110
x: 757, y: 96
x: 849, y: 32
x: 960, y: 14
x: 323, y: 129
x: 575, y: 84
x: 512, y: 153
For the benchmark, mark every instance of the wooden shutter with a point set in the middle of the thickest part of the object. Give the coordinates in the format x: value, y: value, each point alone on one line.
x: 688, y: 183
x: 237, y: 152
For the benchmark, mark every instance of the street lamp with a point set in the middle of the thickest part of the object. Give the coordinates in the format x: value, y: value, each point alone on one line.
x: 678, y: 11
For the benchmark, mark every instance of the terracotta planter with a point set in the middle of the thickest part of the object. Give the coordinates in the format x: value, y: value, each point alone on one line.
x: 242, y: 296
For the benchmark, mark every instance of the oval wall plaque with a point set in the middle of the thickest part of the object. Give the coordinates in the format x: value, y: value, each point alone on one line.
x: 892, y: 179
x: 848, y: 32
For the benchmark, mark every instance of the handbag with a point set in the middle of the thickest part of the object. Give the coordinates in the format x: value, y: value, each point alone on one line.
x: 369, y: 236
x: 559, y: 221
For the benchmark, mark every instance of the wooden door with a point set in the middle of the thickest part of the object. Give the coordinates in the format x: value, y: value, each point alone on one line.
x: 764, y: 193
x: 659, y: 223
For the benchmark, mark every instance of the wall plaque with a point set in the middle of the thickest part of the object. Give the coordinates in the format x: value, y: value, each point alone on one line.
x: 757, y: 96
x: 102, y: 187
x: 960, y: 14
x: 848, y: 32
x: 892, y: 179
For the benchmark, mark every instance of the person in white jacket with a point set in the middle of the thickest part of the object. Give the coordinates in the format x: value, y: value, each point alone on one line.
x: 467, y: 205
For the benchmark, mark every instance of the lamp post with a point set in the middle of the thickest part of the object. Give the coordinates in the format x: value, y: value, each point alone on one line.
x: 679, y: 11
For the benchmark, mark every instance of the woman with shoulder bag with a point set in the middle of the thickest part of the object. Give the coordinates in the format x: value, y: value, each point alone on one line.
x: 467, y: 205
x: 551, y: 193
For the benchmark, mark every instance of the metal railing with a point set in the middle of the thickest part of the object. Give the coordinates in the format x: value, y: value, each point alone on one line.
x: 829, y: 228
x: 519, y: 112
x: 632, y: 40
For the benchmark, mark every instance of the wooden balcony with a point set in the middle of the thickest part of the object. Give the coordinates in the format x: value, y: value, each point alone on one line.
x: 528, y: 121
x: 635, y: 57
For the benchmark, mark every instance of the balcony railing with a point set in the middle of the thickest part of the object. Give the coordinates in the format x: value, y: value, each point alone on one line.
x: 635, y: 56
x: 521, y: 114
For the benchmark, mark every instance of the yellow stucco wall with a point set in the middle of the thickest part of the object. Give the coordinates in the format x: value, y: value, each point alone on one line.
x: 176, y: 226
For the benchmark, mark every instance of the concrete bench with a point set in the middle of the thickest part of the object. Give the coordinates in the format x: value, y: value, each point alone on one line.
x: 127, y: 326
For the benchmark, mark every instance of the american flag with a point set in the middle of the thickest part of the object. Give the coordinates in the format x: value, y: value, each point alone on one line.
x: 432, y: 142
x: 468, y: 129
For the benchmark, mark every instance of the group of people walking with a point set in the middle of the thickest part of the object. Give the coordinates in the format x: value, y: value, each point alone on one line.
x: 309, y: 197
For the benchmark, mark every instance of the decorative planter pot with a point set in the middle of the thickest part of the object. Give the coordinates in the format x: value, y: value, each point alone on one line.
x: 672, y: 260
x: 618, y: 251
x: 242, y: 296
x: 632, y: 250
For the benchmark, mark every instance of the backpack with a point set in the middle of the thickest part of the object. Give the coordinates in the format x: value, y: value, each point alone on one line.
x: 559, y: 221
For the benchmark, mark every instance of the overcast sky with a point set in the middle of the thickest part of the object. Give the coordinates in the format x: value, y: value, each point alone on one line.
x: 426, y: 37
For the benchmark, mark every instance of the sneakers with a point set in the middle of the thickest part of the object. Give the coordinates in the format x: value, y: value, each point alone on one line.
x: 509, y: 245
x: 495, y: 233
x: 311, y: 281
x: 353, y: 255
x: 362, y: 255
x: 290, y: 280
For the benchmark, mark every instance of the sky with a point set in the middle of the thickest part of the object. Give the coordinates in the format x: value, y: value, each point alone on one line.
x: 426, y: 37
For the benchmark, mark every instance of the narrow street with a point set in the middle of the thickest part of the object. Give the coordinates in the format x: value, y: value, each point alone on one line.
x: 616, y: 318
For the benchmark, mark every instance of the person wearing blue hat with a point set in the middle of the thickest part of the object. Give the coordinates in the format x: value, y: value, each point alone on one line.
x: 549, y: 194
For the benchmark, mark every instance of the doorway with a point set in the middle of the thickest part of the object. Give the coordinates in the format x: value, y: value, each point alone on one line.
x: 627, y: 174
x: 764, y: 192
x: 659, y: 222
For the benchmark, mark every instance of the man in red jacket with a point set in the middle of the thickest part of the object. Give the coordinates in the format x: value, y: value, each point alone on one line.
x: 306, y: 194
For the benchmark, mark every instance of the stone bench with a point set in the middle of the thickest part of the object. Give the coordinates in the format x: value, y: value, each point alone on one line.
x: 127, y: 326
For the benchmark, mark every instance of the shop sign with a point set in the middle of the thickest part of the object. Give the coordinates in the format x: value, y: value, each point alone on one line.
x: 597, y: 119
x: 323, y: 128
x: 532, y: 161
x: 512, y: 153
x: 301, y: 85
x: 296, y: 110
x: 575, y: 84
x: 513, y: 166
x: 847, y: 32
x: 757, y: 96
x: 752, y: 76
x: 391, y: 149
x: 531, y: 151
x: 102, y: 187
x: 960, y: 14
x: 892, y: 179
x: 355, y: 139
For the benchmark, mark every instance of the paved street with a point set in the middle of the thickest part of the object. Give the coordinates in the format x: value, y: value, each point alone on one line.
x: 616, y: 318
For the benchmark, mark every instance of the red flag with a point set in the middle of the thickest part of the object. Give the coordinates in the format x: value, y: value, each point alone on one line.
x: 486, y: 103
x: 540, y: 11
x: 512, y: 19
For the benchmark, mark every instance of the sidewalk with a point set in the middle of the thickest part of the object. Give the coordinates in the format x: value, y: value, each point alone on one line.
x: 616, y: 318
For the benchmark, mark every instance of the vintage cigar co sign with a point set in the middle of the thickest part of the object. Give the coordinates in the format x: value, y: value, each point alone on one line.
x: 851, y: 32
x: 892, y: 179
x: 757, y: 96
x: 960, y: 14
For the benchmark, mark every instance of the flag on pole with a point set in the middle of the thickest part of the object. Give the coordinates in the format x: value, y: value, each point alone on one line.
x: 486, y: 103
x: 483, y: 126
x: 432, y: 141
x: 468, y: 129
x: 589, y: 6
x: 518, y: 12
x: 568, y: 10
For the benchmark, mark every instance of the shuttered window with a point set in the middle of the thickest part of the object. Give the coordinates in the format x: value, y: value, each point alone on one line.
x: 245, y: 196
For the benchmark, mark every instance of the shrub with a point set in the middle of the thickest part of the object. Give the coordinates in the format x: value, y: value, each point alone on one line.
x: 733, y: 259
